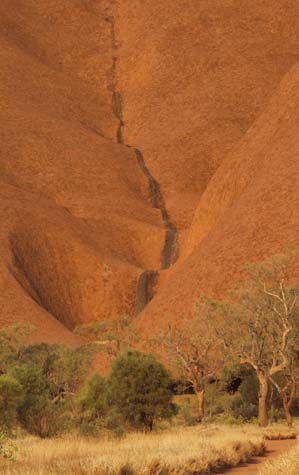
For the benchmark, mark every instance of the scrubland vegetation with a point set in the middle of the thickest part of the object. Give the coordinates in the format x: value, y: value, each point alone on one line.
x: 201, y: 400
x: 187, y: 450
x: 287, y: 463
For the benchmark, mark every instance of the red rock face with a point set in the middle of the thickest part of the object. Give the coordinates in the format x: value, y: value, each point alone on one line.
x: 78, y: 227
x: 247, y: 213
x: 195, y: 75
x: 134, y: 135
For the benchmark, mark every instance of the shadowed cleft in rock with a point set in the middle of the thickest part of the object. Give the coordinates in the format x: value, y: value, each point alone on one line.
x: 117, y: 106
x: 146, y: 289
x: 149, y: 279
x: 169, y: 252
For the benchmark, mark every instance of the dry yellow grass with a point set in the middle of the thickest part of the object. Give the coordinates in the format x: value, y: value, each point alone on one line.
x: 287, y: 463
x: 189, y: 450
x: 280, y: 433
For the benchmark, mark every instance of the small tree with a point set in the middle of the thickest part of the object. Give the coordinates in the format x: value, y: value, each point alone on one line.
x: 36, y: 395
x: 194, y: 351
x: 11, y: 396
x: 38, y: 382
x: 64, y: 368
x: 259, y: 326
x: 50, y: 376
x: 92, y: 404
x: 286, y: 386
x: 140, y: 389
x: 114, y: 335
x: 12, y: 340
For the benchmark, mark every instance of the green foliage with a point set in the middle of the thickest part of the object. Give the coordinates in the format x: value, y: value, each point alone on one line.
x: 240, y: 408
x: 50, y: 375
x: 93, y: 407
x: 249, y: 388
x: 235, y: 395
x: 139, y: 389
x: 244, y: 401
x: 113, y: 335
x: 187, y: 410
x: 63, y: 367
x: 36, y: 396
x: 11, y: 395
x: 243, y: 379
x: 214, y: 399
x: 12, y: 340
x: 233, y: 420
x: 38, y: 383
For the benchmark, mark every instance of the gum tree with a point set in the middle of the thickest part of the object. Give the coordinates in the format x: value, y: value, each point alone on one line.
x: 258, y: 324
x: 113, y: 335
x: 286, y: 385
x: 193, y: 351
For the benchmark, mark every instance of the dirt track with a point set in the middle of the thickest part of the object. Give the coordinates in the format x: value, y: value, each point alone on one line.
x: 274, y: 448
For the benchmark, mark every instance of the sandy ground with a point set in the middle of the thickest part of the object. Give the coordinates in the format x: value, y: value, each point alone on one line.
x: 274, y: 448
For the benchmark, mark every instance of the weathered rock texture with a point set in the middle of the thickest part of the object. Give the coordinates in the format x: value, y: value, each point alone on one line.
x: 78, y: 227
x: 248, y: 212
x: 194, y: 76
x: 148, y: 150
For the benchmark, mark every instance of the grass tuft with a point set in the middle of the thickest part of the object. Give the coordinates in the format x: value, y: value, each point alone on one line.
x: 185, y: 451
x: 287, y: 463
x: 279, y: 433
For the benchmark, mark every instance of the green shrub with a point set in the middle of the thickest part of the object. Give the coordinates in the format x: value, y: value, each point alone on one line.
x: 232, y: 420
x: 49, y: 376
x: 92, y: 404
x: 11, y: 396
x: 38, y: 382
x: 187, y: 410
x: 36, y: 396
x: 139, y: 388
x: 241, y: 408
x: 63, y: 368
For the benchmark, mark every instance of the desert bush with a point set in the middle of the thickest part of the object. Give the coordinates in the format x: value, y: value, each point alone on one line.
x: 139, y: 388
x: 7, y: 448
x: 11, y: 395
x: 12, y: 341
x: 93, y: 406
x: 38, y: 385
x: 278, y: 432
x: 63, y: 368
x: 36, y: 396
x: 239, y: 408
x: 188, y: 412
x: 114, y: 335
x: 287, y: 463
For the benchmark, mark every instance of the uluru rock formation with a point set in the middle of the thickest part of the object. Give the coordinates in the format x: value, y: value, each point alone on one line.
x: 148, y: 151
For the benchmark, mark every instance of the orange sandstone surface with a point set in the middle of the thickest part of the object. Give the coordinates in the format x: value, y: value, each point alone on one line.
x: 148, y: 151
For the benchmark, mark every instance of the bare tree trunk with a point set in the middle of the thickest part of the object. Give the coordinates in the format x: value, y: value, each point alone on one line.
x: 200, y: 404
x: 211, y: 407
x: 263, y: 393
x: 271, y: 404
x: 287, y: 410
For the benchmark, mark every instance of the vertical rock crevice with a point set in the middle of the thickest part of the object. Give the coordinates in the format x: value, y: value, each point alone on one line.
x: 116, y: 100
x: 148, y: 279
x: 146, y: 289
x: 169, y: 251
